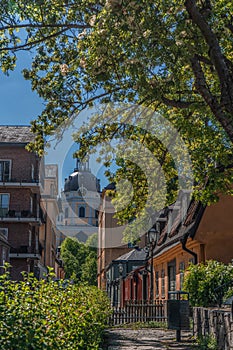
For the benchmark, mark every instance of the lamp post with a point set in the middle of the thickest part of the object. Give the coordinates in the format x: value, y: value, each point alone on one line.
x: 152, y: 237
x: 119, y: 287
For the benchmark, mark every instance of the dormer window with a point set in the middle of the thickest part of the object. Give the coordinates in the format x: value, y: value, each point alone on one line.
x: 158, y: 227
x: 169, y: 223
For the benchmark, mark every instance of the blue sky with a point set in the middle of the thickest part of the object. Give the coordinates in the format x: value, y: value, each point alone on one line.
x: 19, y: 105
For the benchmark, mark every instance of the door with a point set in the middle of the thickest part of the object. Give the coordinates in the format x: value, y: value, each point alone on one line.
x: 172, y: 277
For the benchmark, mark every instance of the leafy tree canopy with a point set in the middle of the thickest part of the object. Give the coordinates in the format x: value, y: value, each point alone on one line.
x: 79, y: 261
x: 175, y: 57
x: 208, y: 283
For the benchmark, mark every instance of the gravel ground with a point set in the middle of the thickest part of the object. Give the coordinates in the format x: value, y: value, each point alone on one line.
x: 147, y: 339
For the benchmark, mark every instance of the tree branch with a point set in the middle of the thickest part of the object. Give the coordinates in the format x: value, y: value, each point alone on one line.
x: 176, y: 103
x: 33, y: 43
x: 212, y: 102
x: 38, y: 25
x: 216, y: 55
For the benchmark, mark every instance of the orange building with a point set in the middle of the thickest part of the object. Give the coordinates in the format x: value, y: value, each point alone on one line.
x: 203, y: 233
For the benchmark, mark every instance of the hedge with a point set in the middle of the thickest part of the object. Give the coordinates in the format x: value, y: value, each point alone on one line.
x: 47, y: 314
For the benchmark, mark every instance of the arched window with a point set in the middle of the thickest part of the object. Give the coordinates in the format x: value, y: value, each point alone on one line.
x: 82, y: 212
x: 51, y: 190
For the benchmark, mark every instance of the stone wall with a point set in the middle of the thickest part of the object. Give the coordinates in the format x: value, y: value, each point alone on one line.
x: 216, y: 322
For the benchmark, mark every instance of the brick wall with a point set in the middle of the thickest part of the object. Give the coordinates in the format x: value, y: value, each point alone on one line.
x: 21, y: 163
x: 18, y: 265
x: 19, y: 198
x: 17, y: 233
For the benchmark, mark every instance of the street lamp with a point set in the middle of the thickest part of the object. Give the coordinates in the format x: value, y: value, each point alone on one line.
x: 152, y: 237
x: 120, y: 269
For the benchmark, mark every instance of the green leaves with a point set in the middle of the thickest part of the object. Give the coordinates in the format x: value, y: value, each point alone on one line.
x: 173, y: 56
x: 208, y: 283
x: 80, y: 260
x: 50, y: 315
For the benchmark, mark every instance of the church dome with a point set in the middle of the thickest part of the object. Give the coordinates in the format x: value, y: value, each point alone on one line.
x: 82, y: 179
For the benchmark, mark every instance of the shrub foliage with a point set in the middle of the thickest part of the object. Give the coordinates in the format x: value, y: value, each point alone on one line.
x: 46, y: 314
x: 80, y: 260
x: 208, y: 283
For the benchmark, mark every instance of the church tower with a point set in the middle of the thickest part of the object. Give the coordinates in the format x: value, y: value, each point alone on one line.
x: 80, y: 202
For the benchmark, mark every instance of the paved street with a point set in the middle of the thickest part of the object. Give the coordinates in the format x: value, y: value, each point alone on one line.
x: 147, y: 339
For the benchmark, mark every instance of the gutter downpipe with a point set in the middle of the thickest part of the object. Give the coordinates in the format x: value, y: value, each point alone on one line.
x: 183, y: 241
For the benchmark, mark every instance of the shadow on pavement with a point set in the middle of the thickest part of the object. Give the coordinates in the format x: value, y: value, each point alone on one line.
x: 145, y: 339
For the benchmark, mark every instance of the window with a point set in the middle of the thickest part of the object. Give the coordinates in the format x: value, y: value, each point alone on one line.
x: 157, y: 283
x: 4, y: 203
x: 31, y: 204
x: 172, y: 277
x: 182, y: 267
x: 33, y: 172
x: 4, y: 232
x: 144, y: 287
x: 30, y: 238
x: 4, y: 251
x: 51, y: 190
x: 158, y: 228
x: 66, y: 213
x: 5, y: 170
x: 191, y: 261
x: 163, y: 283
x: 82, y: 212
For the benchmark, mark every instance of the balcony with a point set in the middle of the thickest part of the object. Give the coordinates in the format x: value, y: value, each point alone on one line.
x: 23, y: 252
x: 21, y: 183
x: 14, y: 215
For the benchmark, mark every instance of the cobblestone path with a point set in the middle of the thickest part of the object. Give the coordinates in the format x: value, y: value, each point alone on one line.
x: 147, y: 339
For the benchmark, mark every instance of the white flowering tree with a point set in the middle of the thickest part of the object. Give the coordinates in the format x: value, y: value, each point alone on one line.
x: 174, y: 56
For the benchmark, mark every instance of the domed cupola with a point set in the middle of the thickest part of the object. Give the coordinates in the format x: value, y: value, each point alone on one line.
x: 82, y: 178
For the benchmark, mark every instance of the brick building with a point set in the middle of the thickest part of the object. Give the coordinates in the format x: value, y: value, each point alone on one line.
x: 4, y: 248
x: 21, y: 214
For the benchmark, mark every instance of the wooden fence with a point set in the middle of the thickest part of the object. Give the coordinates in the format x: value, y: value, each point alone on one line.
x: 144, y: 311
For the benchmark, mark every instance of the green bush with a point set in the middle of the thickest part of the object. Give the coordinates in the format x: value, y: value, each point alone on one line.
x: 208, y: 283
x: 50, y: 315
x: 207, y: 343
